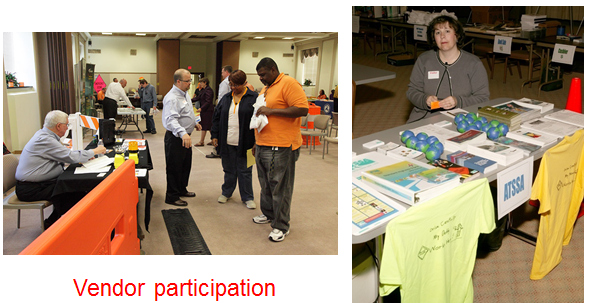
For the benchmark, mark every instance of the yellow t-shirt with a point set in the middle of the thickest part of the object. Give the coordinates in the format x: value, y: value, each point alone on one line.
x: 559, y: 187
x: 283, y: 131
x: 429, y: 250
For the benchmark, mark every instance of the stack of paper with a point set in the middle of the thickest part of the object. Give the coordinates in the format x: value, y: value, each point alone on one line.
x: 567, y: 116
x: 98, y: 165
x: 551, y: 127
x: 502, y: 154
x: 530, y: 22
x: 536, y: 104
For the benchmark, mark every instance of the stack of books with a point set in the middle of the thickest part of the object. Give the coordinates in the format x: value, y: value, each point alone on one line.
x: 551, y: 127
x: 532, y: 137
x: 411, y: 182
x: 467, y: 174
x: 526, y: 113
x: 536, y: 104
x: 461, y: 141
x: 472, y: 161
x: 502, y: 154
x: 511, y: 119
x: 567, y: 116
x: 527, y: 148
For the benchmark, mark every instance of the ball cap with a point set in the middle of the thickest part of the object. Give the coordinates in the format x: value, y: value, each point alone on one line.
x: 141, y: 78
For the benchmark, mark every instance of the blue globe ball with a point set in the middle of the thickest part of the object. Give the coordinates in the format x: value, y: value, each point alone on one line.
x: 431, y: 139
x: 411, y: 142
x: 432, y: 153
x: 485, y: 127
x: 422, y: 146
x: 405, y: 135
x: 459, y: 118
x: 470, y: 120
x: 478, y: 124
x: 462, y: 126
x: 493, y: 133
x: 438, y: 145
x: 503, y: 128
x: 422, y: 136
x: 472, y: 115
x: 494, y: 123
x: 483, y: 120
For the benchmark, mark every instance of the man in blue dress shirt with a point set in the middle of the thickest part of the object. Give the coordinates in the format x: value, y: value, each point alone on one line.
x: 178, y: 119
x: 42, y: 161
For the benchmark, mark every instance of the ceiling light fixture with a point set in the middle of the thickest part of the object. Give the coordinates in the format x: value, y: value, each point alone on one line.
x: 258, y: 37
x: 288, y: 38
x: 138, y: 34
x: 107, y: 33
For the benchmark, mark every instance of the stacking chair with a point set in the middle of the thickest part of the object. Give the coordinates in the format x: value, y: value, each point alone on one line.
x: 491, y: 58
x: 334, y: 124
x: 328, y: 140
x: 516, y: 56
x: 320, y: 127
x: 10, y: 162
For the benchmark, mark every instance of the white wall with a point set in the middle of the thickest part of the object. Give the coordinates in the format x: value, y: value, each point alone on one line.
x: 272, y: 49
x: 115, y: 55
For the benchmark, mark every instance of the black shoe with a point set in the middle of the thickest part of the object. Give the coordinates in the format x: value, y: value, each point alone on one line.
x: 153, y: 132
x: 178, y: 203
x: 188, y: 194
x: 147, y: 131
x: 212, y: 155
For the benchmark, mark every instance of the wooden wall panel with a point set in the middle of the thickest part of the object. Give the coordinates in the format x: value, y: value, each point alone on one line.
x: 168, y: 56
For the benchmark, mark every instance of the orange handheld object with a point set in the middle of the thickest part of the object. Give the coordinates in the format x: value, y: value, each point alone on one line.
x: 434, y: 105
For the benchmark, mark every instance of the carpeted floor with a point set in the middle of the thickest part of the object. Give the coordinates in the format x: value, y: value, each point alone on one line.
x: 501, y: 276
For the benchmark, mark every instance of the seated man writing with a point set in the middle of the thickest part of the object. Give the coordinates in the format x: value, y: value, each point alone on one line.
x: 42, y: 161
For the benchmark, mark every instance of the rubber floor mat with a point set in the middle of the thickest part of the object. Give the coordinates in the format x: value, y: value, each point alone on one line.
x: 184, y: 234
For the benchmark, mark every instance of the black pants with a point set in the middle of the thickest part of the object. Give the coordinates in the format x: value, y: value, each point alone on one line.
x: 35, y: 191
x: 178, y: 166
x: 109, y: 108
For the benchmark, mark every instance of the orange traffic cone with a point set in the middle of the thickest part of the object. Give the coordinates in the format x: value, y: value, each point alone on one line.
x: 574, y: 99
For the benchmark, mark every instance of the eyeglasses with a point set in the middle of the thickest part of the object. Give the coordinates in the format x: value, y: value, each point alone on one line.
x: 66, y: 124
x: 187, y: 81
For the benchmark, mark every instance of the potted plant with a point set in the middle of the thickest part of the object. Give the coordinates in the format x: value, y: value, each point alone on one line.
x: 307, y: 82
x: 11, y: 80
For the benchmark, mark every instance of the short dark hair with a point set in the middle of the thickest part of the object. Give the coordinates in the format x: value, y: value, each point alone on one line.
x: 238, y: 77
x: 453, y: 23
x: 227, y: 68
x: 205, y: 80
x: 142, y: 81
x: 267, y: 63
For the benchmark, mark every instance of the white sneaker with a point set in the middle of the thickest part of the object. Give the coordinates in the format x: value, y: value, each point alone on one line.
x: 262, y: 219
x: 222, y: 199
x: 250, y: 204
x: 277, y: 235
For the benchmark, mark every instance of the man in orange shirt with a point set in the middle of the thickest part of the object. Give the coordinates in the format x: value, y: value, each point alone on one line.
x: 277, y: 146
x: 100, y: 94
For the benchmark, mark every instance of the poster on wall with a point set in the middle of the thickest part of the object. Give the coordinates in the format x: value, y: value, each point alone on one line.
x: 89, y: 90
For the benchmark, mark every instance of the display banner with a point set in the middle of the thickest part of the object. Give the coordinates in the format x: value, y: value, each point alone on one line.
x: 514, y: 186
x: 502, y: 44
x: 420, y: 32
x: 89, y: 91
x: 563, y: 53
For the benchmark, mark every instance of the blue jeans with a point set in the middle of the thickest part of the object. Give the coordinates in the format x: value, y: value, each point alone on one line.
x: 276, y: 173
x: 235, y: 171
x: 149, y: 120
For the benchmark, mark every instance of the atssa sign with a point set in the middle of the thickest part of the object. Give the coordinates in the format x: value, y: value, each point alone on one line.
x: 514, y: 186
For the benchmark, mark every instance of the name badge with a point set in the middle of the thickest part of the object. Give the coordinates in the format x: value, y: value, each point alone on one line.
x: 433, y: 75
